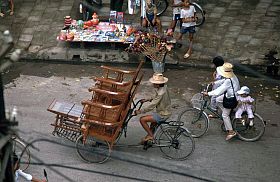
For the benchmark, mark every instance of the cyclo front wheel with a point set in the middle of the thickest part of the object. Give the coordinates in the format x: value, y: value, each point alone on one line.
x: 195, y: 120
x: 93, y: 150
x: 23, y: 153
x: 175, y: 142
x: 246, y: 132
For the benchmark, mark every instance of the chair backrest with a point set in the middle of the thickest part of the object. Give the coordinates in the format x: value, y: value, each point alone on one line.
x: 131, y: 97
x: 109, y: 93
x: 100, y: 112
x: 116, y: 84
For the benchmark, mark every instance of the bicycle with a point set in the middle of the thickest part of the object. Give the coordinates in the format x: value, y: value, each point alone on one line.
x: 20, y: 149
x: 200, y: 14
x: 197, y: 120
x: 174, y: 141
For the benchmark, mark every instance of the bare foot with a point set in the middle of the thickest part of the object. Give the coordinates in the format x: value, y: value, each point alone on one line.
x: 2, y: 14
x: 11, y: 13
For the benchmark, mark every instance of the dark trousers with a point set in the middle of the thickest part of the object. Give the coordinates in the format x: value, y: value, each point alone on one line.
x: 4, y: 6
x: 116, y: 5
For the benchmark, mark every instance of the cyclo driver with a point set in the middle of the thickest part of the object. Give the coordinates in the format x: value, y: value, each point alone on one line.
x: 161, y: 101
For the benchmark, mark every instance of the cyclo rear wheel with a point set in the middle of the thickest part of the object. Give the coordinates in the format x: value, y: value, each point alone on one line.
x: 93, y: 150
x: 175, y: 142
x: 246, y: 132
x: 195, y: 120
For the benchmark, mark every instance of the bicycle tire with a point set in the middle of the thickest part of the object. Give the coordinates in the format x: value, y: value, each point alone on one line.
x: 195, y: 120
x: 97, y: 2
x: 161, y: 6
x: 18, y: 148
x: 93, y: 150
x: 200, y: 14
x: 87, y: 10
x: 175, y: 142
x: 249, y: 133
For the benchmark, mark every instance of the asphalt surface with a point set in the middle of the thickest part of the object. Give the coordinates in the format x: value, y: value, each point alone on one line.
x: 32, y: 87
x: 241, y: 31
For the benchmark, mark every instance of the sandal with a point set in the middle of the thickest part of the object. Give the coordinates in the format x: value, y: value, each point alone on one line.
x: 230, y: 136
x: 145, y: 139
x: 186, y: 56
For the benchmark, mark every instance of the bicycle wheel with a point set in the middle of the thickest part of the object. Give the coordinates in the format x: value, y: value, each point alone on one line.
x: 200, y: 14
x: 246, y: 132
x: 93, y: 150
x: 98, y: 2
x: 19, y: 148
x: 197, y: 100
x: 195, y: 120
x: 161, y: 6
x: 175, y: 142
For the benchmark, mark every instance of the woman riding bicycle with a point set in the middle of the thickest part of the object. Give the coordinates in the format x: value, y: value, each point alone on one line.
x: 230, y: 85
x: 161, y: 101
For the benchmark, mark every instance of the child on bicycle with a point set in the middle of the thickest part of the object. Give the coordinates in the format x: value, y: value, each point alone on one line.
x: 19, y: 174
x: 245, y: 102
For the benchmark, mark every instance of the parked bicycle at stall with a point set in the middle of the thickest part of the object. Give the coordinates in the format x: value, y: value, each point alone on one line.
x: 197, y: 121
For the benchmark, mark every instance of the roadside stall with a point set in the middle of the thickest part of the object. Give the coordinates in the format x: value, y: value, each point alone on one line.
x: 112, y: 31
x: 146, y: 41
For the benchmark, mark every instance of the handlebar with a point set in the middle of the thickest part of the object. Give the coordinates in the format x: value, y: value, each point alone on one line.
x: 206, y: 89
x: 135, y: 106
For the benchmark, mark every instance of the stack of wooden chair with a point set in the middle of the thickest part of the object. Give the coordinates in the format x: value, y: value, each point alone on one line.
x: 104, y: 114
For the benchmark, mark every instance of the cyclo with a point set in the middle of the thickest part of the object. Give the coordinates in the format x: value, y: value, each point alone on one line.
x: 97, y: 124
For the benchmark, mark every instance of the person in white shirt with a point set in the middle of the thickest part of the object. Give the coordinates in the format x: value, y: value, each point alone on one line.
x: 188, y: 16
x: 230, y: 85
x: 176, y: 4
x: 19, y: 174
x: 245, y: 102
x: 143, y: 11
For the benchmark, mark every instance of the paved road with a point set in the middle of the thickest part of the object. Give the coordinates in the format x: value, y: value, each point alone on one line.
x: 31, y: 87
x: 238, y: 30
